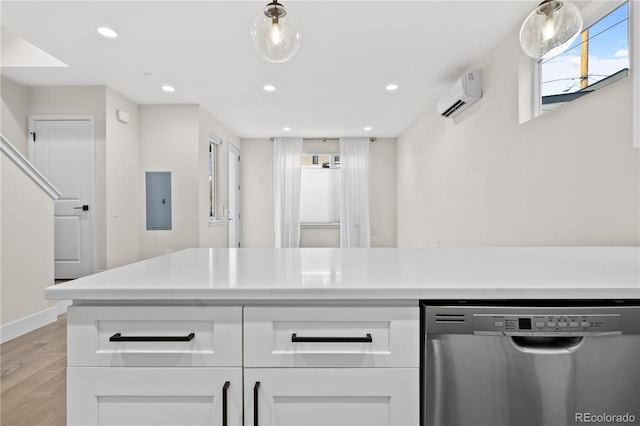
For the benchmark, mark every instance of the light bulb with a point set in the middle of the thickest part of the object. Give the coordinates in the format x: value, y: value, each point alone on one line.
x: 275, y: 33
x: 549, y: 29
x: 276, y: 36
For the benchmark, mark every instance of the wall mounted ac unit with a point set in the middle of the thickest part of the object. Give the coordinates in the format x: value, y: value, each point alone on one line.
x: 464, y: 93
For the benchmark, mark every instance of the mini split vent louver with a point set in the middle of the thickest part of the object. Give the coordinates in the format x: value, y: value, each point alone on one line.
x: 464, y: 93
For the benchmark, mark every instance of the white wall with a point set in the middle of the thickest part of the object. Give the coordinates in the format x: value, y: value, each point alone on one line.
x: 169, y: 142
x: 26, y: 244
x: 174, y: 137
x: 319, y: 237
x: 82, y: 100
x: 15, y: 101
x: 569, y: 177
x: 117, y: 157
x: 257, y: 193
x: 382, y: 192
x: 257, y: 196
x: 123, y: 181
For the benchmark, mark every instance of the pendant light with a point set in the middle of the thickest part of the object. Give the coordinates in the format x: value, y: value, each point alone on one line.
x: 275, y: 33
x: 550, y: 29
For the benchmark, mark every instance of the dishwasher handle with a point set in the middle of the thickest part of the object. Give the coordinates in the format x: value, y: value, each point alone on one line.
x: 547, y: 345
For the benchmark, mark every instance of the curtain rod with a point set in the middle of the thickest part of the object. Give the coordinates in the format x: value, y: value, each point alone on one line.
x: 324, y: 139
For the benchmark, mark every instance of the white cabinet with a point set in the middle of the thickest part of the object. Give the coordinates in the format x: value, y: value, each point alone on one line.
x: 329, y: 365
x: 331, y: 396
x: 154, y: 396
x: 154, y: 365
x: 316, y: 365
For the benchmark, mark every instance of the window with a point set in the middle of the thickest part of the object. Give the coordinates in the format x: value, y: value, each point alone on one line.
x: 598, y: 57
x: 214, y: 141
x: 320, y: 189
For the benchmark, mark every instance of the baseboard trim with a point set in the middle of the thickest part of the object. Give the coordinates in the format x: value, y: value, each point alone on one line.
x: 29, y: 323
x: 61, y: 306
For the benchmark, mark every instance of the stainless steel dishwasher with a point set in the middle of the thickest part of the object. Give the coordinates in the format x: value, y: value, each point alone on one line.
x: 500, y: 365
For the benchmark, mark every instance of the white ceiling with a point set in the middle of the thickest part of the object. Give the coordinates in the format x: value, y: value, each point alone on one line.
x: 333, y: 86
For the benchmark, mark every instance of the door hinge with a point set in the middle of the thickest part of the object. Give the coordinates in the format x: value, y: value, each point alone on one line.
x: 34, y: 135
x: 238, y: 158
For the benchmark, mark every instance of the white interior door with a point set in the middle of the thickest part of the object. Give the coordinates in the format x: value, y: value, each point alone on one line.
x: 62, y: 150
x: 234, y: 194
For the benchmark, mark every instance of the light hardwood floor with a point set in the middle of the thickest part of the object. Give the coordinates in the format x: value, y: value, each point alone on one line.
x: 33, y: 380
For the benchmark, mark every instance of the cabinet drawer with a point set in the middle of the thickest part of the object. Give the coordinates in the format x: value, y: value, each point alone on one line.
x: 331, y: 336
x: 154, y: 336
x: 154, y: 396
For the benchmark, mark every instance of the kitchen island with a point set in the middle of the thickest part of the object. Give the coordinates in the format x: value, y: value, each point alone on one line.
x: 292, y: 336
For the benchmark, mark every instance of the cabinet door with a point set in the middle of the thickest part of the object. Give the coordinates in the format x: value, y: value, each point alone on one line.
x: 332, y: 396
x: 153, y: 396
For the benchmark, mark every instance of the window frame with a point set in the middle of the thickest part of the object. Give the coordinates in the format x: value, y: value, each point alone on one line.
x: 333, y: 165
x: 591, y: 14
x: 214, y: 143
x: 634, y: 51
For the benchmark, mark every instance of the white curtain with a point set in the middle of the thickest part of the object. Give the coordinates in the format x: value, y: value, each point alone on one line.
x: 287, y: 159
x: 354, y: 206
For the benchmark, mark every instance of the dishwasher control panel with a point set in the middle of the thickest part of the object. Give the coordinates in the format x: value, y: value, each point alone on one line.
x: 556, y: 324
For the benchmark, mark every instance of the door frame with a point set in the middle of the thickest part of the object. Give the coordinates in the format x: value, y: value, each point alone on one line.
x: 231, y: 146
x: 92, y: 180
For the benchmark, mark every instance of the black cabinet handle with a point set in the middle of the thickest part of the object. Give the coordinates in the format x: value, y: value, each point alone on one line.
x: 224, y: 402
x: 255, y: 403
x: 366, y: 339
x: 118, y: 337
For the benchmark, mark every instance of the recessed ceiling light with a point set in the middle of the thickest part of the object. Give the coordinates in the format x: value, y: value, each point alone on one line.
x: 391, y: 86
x: 107, y: 32
x: 367, y: 129
x: 286, y: 129
x: 167, y: 88
x: 269, y: 88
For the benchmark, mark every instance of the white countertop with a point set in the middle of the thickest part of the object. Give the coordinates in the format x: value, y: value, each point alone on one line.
x: 368, y: 275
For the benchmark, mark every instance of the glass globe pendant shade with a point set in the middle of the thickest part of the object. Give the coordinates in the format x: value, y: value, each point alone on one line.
x: 550, y: 29
x: 275, y: 33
